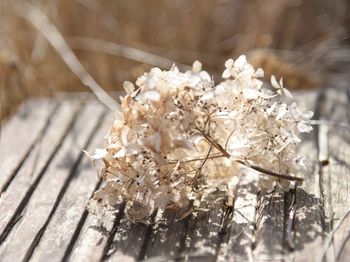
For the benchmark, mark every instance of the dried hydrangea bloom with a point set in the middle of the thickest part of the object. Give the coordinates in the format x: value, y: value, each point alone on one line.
x: 181, y: 136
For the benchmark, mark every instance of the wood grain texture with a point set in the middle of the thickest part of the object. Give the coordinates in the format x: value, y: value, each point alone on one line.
x: 70, y: 213
x: 336, y: 173
x: 90, y: 244
x: 168, y: 237
x: 127, y: 240
x: 26, y: 234
x: 14, y: 199
x: 269, y: 227
x: 307, y: 235
x: 203, y: 235
x: 20, y: 134
x: 239, y: 244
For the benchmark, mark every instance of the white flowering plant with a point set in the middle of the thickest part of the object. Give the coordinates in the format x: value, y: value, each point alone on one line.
x: 179, y: 136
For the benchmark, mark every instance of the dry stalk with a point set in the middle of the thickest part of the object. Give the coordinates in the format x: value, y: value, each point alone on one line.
x: 33, y: 15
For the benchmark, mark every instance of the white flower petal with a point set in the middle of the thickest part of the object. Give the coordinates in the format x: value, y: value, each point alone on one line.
x: 129, y: 150
x: 281, y: 112
x: 196, y: 67
x: 308, y: 115
x: 274, y: 82
x: 287, y: 93
x: 250, y: 93
x: 207, y: 96
x: 99, y: 154
x: 229, y: 63
x: 259, y: 73
x: 302, y: 127
x: 152, y: 95
x: 241, y: 62
x: 128, y: 87
x: 226, y: 73
x: 281, y: 82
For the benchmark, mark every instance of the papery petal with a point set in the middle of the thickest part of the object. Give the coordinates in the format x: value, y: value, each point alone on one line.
x: 120, y: 153
x: 274, y: 82
x: 308, y: 115
x: 207, y: 96
x: 131, y: 149
x: 259, y: 73
x: 99, y: 154
x: 196, y: 66
x: 226, y: 73
x: 281, y: 111
x: 240, y: 62
x: 220, y: 89
x: 205, y: 76
x: 281, y: 82
x: 271, y: 109
x: 141, y: 80
x: 128, y: 87
x: 250, y: 93
x: 229, y: 63
x: 174, y: 68
x: 151, y: 95
x: 302, y: 127
x: 287, y: 93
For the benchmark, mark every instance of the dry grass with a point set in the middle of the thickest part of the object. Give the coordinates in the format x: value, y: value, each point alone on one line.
x: 290, y: 38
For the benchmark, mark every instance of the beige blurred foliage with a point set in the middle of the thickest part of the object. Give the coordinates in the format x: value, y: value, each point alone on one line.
x: 289, y: 38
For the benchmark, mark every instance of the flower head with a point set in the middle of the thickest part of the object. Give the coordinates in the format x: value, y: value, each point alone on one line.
x: 279, y: 86
x: 181, y: 137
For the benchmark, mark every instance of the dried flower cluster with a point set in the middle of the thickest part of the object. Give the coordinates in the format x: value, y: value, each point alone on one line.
x: 180, y: 135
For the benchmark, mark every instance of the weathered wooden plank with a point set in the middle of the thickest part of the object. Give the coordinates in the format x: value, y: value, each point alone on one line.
x: 92, y: 240
x: 269, y: 227
x: 26, y: 234
x: 336, y: 173
x: 168, y: 236
x: 344, y: 243
x: 308, y: 223
x: 203, y: 236
x: 238, y: 246
x: 128, y: 241
x: 20, y: 134
x: 71, y: 213
x: 13, y: 200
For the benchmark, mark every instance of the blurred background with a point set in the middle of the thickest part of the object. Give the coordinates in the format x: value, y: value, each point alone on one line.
x: 305, y: 42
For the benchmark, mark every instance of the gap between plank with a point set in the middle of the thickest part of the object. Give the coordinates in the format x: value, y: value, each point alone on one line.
x: 31, y: 189
x: 36, y: 140
x: 62, y: 192
x: 77, y: 231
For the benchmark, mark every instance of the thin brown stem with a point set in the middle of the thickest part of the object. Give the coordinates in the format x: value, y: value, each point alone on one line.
x: 271, y: 173
x: 257, y: 168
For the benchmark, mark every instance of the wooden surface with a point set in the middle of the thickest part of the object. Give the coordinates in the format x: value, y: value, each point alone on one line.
x: 46, y: 180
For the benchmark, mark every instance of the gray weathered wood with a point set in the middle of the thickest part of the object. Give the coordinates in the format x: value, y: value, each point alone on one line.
x: 20, y: 134
x: 336, y: 173
x: 26, y: 234
x: 203, y: 239
x: 128, y: 240
x: 308, y: 224
x: 238, y: 246
x: 168, y: 237
x: 92, y: 240
x: 269, y: 227
x: 71, y: 211
x: 15, y: 197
